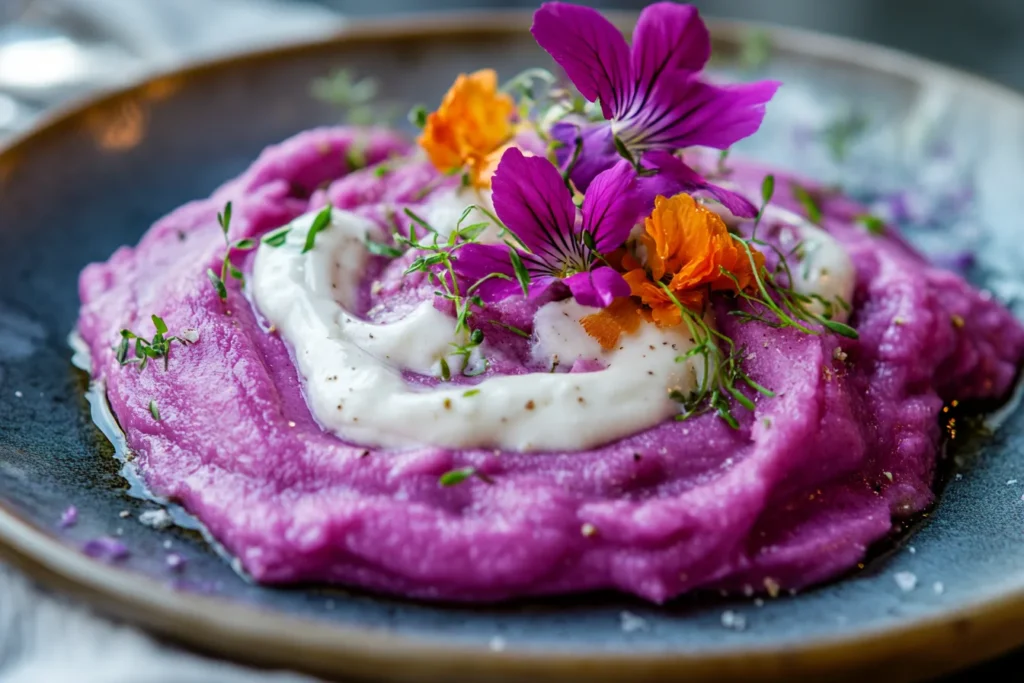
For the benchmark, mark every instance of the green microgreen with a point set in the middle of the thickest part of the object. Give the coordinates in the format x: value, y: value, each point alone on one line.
x: 227, y: 268
x: 808, y: 202
x: 159, y: 346
x: 756, y: 50
x: 522, y: 275
x: 457, y: 476
x: 154, y: 410
x: 320, y: 223
x: 873, y: 224
x: 277, y: 238
x: 418, y: 116
x: 381, y: 249
x: 842, y: 132
x: 343, y: 90
x: 436, y: 261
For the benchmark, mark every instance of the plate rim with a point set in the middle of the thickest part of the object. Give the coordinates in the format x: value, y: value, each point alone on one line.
x: 913, y: 649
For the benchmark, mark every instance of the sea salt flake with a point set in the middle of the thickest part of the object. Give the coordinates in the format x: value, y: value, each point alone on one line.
x: 734, y: 620
x: 190, y: 335
x: 632, y: 623
x: 124, y: 514
x: 938, y: 588
x: 176, y: 562
x: 959, y: 476
x: 167, y: 544
x: 497, y: 644
x: 911, y: 549
x: 18, y: 394
x: 1011, y: 482
x: 907, y: 581
x: 156, y: 519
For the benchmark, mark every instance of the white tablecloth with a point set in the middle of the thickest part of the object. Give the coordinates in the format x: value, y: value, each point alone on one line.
x: 43, y: 638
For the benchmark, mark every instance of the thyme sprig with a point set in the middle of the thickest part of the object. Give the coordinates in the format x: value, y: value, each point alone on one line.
x: 149, y: 349
x: 228, y: 268
x: 436, y: 261
x: 722, y: 373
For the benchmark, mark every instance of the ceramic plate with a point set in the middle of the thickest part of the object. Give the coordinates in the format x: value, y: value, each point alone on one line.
x: 939, y: 150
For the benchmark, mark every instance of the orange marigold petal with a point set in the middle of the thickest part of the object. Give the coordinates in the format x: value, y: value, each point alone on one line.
x: 473, y: 121
x: 607, y: 325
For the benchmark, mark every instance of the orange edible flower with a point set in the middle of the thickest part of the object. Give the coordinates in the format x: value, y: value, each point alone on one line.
x: 690, y: 245
x: 471, y: 128
x: 623, y: 316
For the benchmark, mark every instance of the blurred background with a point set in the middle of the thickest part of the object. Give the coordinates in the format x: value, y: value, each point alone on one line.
x: 52, y: 50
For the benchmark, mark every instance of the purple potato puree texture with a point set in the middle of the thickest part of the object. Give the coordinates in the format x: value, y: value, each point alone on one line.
x: 794, y: 497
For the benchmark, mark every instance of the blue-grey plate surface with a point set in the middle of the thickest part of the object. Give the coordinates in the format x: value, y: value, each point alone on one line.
x: 943, y: 151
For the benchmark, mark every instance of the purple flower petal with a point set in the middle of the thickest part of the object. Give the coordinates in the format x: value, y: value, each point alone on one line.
x: 533, y: 202
x: 669, y: 37
x: 611, y: 206
x: 685, y: 112
x: 69, y: 518
x: 474, y: 262
x: 674, y: 176
x: 598, y: 287
x: 592, y: 51
x: 105, y: 548
x: 597, y: 154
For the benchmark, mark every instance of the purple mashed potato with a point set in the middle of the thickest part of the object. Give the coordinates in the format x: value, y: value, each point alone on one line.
x: 794, y: 497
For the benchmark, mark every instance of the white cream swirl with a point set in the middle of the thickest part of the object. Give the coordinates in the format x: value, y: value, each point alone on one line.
x: 353, y: 369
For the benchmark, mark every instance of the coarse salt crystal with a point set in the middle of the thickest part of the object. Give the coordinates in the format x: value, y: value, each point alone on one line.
x: 907, y: 581
x: 733, y: 620
x: 18, y: 394
x: 167, y: 544
x: 959, y: 476
x: 911, y: 549
x: 632, y: 623
x: 124, y: 514
x: 1011, y: 482
x: 156, y: 519
x: 175, y: 562
x: 190, y: 335
x: 938, y: 588
x: 497, y: 644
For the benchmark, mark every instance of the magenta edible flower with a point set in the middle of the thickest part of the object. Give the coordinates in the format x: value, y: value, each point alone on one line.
x: 558, y: 242
x: 106, y: 548
x: 69, y: 517
x: 652, y: 94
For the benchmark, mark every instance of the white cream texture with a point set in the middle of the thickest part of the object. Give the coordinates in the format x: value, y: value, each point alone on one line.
x: 353, y: 368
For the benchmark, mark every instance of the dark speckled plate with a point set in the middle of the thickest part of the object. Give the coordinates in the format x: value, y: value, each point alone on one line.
x: 944, y: 152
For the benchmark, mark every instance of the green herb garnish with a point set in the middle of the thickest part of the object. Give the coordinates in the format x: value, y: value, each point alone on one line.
x: 810, y: 205
x: 146, y: 349
x: 154, y: 410
x: 381, y: 249
x: 277, y: 237
x: 873, y: 224
x: 320, y: 223
x: 227, y: 268
x: 457, y: 476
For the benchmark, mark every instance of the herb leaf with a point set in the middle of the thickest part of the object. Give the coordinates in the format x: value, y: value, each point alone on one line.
x: 381, y: 249
x: 154, y: 410
x: 873, y: 224
x: 321, y: 222
x: 807, y: 201
x: 218, y: 284
x: 522, y: 275
x: 278, y: 237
